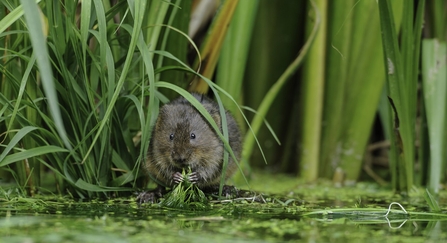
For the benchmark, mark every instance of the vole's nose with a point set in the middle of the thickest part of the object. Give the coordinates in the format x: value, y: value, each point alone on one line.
x: 179, y: 158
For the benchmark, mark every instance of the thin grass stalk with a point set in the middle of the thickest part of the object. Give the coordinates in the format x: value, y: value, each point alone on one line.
x: 85, y: 16
x: 33, y: 93
x: 313, y: 89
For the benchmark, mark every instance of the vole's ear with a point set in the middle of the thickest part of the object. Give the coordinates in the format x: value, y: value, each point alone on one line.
x: 216, y: 118
x: 214, y: 113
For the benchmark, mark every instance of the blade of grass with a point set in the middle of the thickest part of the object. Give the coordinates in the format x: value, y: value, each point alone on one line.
x: 34, y: 21
x: 11, y: 18
x: 95, y: 188
x: 30, y: 153
x: 431, y: 201
x: 19, y: 135
x: 23, y: 84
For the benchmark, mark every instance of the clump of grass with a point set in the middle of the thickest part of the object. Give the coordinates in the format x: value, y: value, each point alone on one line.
x: 431, y: 201
x: 186, y: 195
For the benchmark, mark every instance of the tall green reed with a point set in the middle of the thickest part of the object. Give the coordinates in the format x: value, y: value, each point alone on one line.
x: 434, y: 92
x: 401, y: 72
x: 351, y: 86
x: 312, y: 96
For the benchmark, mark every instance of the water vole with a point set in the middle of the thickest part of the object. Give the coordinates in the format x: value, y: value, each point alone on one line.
x: 183, y: 139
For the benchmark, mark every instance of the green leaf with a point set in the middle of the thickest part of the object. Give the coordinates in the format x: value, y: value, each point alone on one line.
x: 31, y: 153
x: 19, y: 135
x: 431, y: 201
x: 11, y: 18
x: 123, y: 179
x: 80, y: 183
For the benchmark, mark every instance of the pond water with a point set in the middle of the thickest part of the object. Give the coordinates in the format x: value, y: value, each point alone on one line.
x: 306, y: 213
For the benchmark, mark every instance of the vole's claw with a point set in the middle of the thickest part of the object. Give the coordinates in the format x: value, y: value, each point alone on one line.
x: 177, y: 177
x: 194, y: 177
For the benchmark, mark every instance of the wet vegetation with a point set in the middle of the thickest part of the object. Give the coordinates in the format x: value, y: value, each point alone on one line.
x: 317, y: 212
x: 342, y: 104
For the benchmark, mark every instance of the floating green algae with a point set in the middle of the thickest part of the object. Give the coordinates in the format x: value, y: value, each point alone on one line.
x: 310, y: 212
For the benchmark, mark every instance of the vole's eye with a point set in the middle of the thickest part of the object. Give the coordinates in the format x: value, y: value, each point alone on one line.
x: 171, y: 136
x: 193, y: 136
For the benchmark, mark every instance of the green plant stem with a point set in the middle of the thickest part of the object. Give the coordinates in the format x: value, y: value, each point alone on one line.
x: 338, y: 53
x: 435, y: 91
x: 313, y: 88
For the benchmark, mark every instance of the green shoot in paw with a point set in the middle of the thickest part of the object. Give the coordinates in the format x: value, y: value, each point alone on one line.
x: 185, y: 195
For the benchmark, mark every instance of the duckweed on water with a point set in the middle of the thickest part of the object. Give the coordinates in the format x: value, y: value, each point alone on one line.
x: 337, y: 215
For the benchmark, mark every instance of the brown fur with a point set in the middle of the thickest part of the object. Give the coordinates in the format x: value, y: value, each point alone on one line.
x: 203, y: 154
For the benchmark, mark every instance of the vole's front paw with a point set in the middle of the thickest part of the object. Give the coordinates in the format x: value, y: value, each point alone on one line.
x: 146, y: 197
x: 150, y: 196
x: 194, y: 177
x: 177, y: 177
